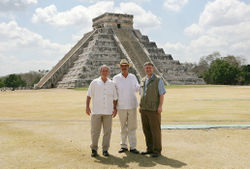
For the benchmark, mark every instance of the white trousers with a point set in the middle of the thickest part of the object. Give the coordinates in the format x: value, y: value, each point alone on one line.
x: 128, y: 121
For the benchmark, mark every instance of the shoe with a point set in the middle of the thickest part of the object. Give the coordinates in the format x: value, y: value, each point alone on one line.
x: 134, y: 151
x: 105, y: 153
x: 155, y: 155
x: 94, y: 153
x: 122, y: 150
x: 146, y: 152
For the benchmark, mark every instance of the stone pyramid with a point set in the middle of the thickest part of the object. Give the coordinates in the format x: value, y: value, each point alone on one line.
x: 112, y: 39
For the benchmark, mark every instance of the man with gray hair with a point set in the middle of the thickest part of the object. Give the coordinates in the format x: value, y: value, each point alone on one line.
x: 103, y: 94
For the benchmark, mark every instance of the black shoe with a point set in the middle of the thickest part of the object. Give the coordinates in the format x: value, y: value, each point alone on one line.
x: 122, y: 150
x: 134, y: 151
x: 146, y: 152
x: 105, y: 153
x: 155, y: 154
x: 94, y: 153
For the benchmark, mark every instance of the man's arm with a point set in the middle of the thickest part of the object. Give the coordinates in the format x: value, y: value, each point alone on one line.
x: 162, y: 91
x: 114, y: 108
x: 161, y: 103
x: 137, y: 86
x: 88, y: 111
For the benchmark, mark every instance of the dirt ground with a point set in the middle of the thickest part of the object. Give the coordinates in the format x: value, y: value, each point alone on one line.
x: 49, y: 129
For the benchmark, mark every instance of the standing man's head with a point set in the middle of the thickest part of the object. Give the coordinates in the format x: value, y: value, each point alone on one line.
x: 124, y: 66
x: 148, y: 68
x: 104, y: 71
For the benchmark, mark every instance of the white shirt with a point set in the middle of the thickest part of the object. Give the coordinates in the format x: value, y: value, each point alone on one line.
x: 126, y: 90
x: 102, y: 96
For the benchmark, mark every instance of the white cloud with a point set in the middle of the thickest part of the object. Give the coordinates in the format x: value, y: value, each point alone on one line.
x: 24, y: 50
x: 223, y: 26
x: 175, y: 5
x: 82, y: 16
x: 94, y: 1
x: 194, y: 29
x: 221, y: 13
x: 144, y: 20
x: 12, y: 64
x: 77, y: 16
x: 12, y: 5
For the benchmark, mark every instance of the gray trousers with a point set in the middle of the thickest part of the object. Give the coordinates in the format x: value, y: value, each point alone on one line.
x: 97, y: 121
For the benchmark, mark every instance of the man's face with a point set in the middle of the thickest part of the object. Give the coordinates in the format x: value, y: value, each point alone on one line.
x: 124, y: 68
x: 149, y: 69
x: 104, y: 72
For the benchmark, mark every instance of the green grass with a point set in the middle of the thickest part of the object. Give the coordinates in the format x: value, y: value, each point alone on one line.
x: 170, y: 87
x: 81, y: 89
x: 192, y: 86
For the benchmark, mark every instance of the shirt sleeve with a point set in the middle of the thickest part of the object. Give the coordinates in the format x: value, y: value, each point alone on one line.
x: 137, y: 86
x: 90, y: 90
x: 114, y: 93
x: 161, y: 87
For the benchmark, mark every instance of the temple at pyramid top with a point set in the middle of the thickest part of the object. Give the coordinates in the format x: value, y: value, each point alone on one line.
x: 113, y: 38
x: 113, y: 20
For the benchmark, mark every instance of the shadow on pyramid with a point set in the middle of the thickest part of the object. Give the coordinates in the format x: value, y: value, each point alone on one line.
x: 113, y: 38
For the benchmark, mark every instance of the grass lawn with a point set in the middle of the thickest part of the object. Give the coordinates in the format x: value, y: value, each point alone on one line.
x: 49, y: 129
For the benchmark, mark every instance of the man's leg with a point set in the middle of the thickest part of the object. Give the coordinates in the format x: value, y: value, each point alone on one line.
x: 155, y: 126
x: 123, y: 116
x: 96, y: 123
x: 146, y: 130
x: 107, y: 129
x: 132, y: 126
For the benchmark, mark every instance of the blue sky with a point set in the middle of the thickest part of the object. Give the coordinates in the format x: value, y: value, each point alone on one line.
x: 35, y: 34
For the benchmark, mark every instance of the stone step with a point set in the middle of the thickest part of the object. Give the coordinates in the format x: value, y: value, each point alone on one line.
x: 134, y: 50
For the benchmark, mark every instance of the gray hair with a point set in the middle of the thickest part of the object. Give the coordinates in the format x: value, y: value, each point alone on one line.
x: 103, y: 66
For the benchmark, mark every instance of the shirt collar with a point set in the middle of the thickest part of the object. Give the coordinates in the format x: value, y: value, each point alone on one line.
x: 150, y: 77
x: 100, y: 78
x: 123, y: 76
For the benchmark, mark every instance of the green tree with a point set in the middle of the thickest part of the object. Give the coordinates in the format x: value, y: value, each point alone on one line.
x: 222, y: 72
x: 205, y: 63
x: 245, y: 75
x: 1, y: 83
x: 14, y: 81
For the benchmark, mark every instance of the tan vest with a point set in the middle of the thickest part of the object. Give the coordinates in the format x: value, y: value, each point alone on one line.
x: 150, y: 101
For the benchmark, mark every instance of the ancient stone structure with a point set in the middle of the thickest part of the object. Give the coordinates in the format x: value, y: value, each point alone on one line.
x: 112, y: 39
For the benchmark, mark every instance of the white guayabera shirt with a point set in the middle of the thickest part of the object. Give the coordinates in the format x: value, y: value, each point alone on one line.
x: 102, y: 96
x: 126, y: 90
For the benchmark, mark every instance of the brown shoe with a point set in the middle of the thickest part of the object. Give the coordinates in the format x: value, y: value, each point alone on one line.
x: 94, y: 153
x: 105, y: 153
x: 122, y: 150
x: 155, y: 155
x: 146, y: 152
x: 134, y: 151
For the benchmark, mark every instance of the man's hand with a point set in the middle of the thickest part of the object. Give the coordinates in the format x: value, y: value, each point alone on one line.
x: 114, y: 112
x: 88, y: 111
x: 159, y: 110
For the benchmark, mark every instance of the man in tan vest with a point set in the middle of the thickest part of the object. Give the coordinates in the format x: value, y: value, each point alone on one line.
x: 152, y: 96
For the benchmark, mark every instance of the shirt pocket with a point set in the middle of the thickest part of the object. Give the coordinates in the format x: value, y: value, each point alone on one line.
x: 110, y: 91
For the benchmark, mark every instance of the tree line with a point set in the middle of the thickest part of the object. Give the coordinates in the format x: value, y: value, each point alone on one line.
x: 26, y: 80
x: 228, y: 70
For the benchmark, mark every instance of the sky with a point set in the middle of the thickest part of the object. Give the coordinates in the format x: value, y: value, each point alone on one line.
x: 36, y: 34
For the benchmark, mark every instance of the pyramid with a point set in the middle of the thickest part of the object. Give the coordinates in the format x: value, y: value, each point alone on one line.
x: 113, y: 38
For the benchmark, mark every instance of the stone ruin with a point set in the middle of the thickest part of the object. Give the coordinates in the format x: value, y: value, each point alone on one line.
x: 113, y: 38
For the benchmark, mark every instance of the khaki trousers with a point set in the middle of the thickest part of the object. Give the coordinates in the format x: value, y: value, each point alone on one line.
x: 97, y: 121
x: 151, y: 124
x: 128, y: 122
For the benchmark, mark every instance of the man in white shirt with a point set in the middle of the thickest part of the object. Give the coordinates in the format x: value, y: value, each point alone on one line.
x: 127, y: 86
x: 103, y: 94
